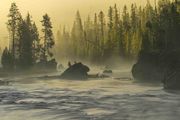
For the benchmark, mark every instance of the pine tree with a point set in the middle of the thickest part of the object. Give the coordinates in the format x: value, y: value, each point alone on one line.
x: 88, y: 37
x: 77, y: 36
x: 65, y: 41
x: 134, y: 19
x: 96, y: 39
x: 135, y: 32
x: 126, y: 28
x: 102, y: 23
x: 26, y: 55
x: 116, y: 31
x: 13, y: 23
x: 36, y: 47
x: 7, y: 59
x: 109, y: 43
x: 48, y: 39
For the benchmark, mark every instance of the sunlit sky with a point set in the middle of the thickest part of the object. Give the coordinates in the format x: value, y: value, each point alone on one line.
x: 62, y: 12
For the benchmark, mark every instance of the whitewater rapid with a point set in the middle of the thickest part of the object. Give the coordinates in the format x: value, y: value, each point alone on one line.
x: 31, y: 98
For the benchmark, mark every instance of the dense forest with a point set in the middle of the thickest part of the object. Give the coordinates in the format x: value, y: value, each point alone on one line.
x: 121, y: 34
x: 159, y: 58
x: 26, y: 47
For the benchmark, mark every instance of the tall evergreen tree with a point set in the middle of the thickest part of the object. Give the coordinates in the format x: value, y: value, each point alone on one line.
x: 109, y: 43
x: 26, y: 55
x: 13, y: 23
x: 78, y: 36
x: 126, y: 28
x: 88, y: 36
x: 36, y: 46
x: 7, y: 59
x: 102, y: 25
x: 116, y: 31
x: 48, y: 38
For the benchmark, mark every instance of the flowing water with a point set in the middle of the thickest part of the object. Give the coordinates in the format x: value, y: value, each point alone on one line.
x: 32, y: 98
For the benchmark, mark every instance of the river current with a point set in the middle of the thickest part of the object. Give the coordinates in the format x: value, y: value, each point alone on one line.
x: 32, y: 98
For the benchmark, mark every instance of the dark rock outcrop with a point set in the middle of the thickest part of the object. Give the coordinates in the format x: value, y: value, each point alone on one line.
x: 107, y: 71
x: 159, y: 66
x: 171, y: 78
x: 78, y: 71
x: 147, y: 67
x: 4, y: 82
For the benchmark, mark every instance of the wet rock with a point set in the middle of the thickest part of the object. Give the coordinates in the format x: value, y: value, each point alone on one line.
x: 163, y: 66
x: 123, y: 78
x: 99, y: 75
x: 4, y: 82
x: 78, y: 71
x: 147, y: 67
x: 171, y: 78
x: 60, y: 67
x: 107, y: 71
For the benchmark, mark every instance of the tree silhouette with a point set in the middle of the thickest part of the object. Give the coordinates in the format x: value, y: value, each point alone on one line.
x: 48, y: 38
x: 13, y: 23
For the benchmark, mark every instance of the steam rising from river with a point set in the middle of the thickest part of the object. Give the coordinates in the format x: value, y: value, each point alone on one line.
x: 32, y: 98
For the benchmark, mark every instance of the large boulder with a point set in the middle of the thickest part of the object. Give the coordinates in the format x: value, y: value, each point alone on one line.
x: 171, y: 78
x: 107, y: 71
x: 147, y: 67
x: 159, y: 66
x: 78, y: 71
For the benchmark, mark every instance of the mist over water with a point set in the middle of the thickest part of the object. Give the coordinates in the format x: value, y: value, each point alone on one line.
x: 32, y: 98
x: 37, y: 94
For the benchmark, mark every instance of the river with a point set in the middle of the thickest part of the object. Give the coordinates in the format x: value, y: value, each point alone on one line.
x: 31, y: 98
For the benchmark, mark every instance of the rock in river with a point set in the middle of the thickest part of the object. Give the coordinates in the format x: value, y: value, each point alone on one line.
x: 78, y: 71
x: 159, y: 66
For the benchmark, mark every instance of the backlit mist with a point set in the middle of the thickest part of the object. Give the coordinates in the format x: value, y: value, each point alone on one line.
x: 62, y: 12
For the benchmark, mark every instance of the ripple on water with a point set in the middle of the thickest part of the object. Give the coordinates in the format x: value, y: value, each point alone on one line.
x: 87, y: 100
x: 98, y: 111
